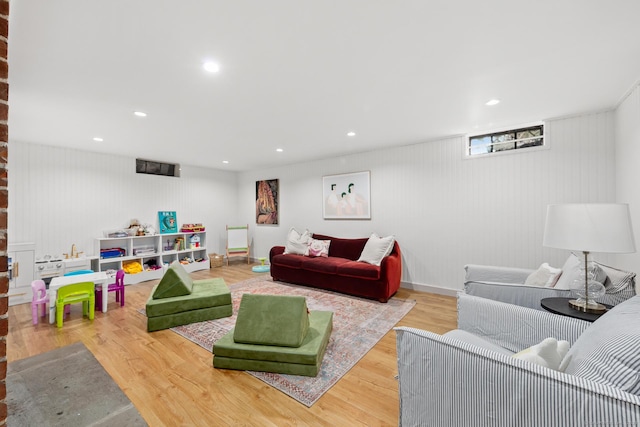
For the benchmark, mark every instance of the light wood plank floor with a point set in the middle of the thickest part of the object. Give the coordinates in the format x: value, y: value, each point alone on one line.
x: 172, y: 382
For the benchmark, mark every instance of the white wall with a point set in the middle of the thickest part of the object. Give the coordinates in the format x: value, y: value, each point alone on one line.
x: 447, y: 211
x: 627, y: 131
x: 58, y: 197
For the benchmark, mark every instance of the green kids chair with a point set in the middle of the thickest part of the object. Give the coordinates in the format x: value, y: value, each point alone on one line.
x: 75, y: 293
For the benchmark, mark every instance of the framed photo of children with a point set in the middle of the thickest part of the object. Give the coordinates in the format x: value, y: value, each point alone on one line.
x: 168, y: 222
x: 267, y: 201
x: 346, y: 196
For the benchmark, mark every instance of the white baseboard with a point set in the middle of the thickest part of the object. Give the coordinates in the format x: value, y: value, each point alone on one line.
x: 430, y: 288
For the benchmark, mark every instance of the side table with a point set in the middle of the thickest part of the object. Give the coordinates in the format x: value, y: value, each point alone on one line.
x: 561, y: 306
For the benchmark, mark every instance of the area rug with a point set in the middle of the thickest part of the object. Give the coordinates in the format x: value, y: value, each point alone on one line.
x: 358, y: 324
x: 66, y: 387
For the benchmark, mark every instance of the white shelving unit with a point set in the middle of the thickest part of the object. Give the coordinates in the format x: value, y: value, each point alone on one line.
x: 159, y: 249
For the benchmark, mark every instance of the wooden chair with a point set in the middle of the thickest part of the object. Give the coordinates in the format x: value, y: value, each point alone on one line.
x: 238, y: 242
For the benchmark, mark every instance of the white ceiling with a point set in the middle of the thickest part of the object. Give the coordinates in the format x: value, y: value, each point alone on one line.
x: 300, y: 74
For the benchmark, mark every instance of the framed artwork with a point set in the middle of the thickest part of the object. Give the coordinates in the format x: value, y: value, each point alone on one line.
x: 267, y: 201
x: 168, y: 222
x: 346, y: 196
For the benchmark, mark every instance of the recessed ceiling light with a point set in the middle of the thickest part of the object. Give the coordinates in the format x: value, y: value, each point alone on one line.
x: 351, y: 134
x: 140, y: 114
x: 98, y: 139
x: 492, y: 102
x: 225, y: 161
x: 279, y: 150
x: 211, y: 66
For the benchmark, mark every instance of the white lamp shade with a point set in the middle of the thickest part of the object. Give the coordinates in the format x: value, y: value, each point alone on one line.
x: 596, y: 227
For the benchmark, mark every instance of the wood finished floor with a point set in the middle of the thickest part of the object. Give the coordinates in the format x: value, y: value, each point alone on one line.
x: 172, y: 382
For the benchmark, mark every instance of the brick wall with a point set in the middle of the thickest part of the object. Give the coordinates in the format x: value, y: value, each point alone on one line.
x: 4, y: 146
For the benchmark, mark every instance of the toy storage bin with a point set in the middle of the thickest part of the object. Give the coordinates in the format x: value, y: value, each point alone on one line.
x: 216, y: 260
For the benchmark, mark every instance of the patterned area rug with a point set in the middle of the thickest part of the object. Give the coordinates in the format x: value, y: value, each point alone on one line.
x: 358, y: 324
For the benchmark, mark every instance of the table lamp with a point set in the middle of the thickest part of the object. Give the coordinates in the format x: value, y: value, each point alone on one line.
x: 591, y: 227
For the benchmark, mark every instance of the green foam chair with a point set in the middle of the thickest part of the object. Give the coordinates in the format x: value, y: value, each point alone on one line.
x: 280, y: 321
x: 265, y: 334
x: 179, y: 300
x: 71, y: 294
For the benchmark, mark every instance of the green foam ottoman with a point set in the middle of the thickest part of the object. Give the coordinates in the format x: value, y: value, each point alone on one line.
x: 179, y: 300
x: 304, y: 360
x: 271, y: 325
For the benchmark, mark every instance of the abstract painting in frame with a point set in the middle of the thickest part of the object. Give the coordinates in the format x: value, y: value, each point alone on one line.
x: 346, y: 196
x: 267, y: 201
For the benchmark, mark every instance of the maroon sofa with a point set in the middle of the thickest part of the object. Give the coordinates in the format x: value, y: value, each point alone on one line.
x: 340, y: 271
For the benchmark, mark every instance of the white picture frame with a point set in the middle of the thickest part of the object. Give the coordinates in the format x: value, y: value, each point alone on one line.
x: 346, y: 196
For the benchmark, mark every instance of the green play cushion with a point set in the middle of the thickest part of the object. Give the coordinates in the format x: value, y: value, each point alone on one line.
x: 279, y: 320
x: 174, y: 283
x: 170, y: 320
x: 205, y: 293
x: 255, y: 357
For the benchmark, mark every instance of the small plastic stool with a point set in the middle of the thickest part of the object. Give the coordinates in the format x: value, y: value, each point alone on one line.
x: 260, y: 268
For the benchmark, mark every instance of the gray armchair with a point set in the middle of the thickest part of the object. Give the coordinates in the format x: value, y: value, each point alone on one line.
x: 468, y: 377
x: 507, y: 284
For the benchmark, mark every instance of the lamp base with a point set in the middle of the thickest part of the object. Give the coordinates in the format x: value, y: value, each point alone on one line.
x: 593, y: 307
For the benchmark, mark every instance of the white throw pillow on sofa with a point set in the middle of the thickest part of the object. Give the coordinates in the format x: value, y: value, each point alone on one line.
x: 549, y: 353
x: 571, y: 271
x: 297, y: 243
x: 376, y: 249
x: 545, y: 275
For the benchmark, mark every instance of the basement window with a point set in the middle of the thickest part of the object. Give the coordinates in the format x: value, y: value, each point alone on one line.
x: 515, y: 139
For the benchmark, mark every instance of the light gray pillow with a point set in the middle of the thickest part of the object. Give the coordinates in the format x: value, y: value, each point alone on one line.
x: 570, y: 272
x: 607, y: 352
x: 617, y: 280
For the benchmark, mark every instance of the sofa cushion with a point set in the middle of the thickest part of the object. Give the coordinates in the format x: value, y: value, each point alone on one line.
x: 280, y: 320
x: 607, y: 352
x: 469, y: 338
x: 376, y: 248
x: 344, y: 248
x: 288, y: 260
x: 323, y: 265
x: 175, y: 282
x: 205, y: 293
x: 359, y: 269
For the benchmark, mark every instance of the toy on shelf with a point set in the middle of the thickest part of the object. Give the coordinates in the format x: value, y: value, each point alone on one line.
x: 191, y: 228
x: 112, y: 253
x: 194, y: 241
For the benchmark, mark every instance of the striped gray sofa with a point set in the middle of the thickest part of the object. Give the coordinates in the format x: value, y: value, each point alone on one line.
x: 506, y: 284
x: 467, y: 377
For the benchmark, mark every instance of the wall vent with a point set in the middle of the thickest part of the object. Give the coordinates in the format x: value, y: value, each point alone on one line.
x: 151, y: 167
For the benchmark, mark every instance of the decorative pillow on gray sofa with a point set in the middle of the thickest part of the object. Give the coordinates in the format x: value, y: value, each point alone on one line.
x: 607, y: 352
